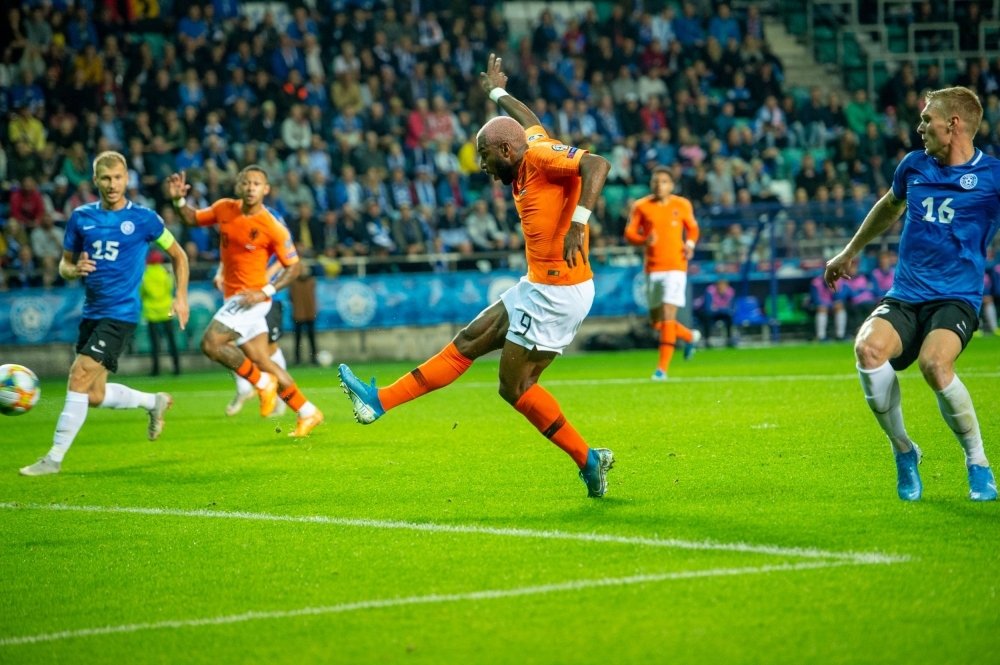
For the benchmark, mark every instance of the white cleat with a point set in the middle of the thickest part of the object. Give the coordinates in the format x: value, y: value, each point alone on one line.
x: 236, y: 404
x: 280, y: 407
x: 163, y: 402
x: 43, y: 467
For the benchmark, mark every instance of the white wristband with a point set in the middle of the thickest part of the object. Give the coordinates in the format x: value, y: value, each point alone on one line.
x: 581, y: 215
x: 269, y: 290
x: 497, y: 93
x: 180, y: 202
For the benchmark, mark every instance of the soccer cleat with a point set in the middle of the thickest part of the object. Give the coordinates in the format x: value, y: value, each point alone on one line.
x: 692, y: 346
x: 908, y: 485
x: 307, y: 424
x: 595, y: 473
x: 982, y: 484
x: 43, y: 467
x: 236, y: 404
x: 280, y: 407
x: 163, y: 402
x: 364, y: 397
x: 268, y: 395
x: 659, y: 375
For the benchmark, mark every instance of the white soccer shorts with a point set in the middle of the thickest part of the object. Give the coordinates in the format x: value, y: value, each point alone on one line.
x: 666, y: 288
x: 544, y: 316
x: 247, y: 322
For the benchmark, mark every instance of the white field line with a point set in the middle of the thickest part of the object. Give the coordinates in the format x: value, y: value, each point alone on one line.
x: 639, y: 381
x: 772, y: 550
x: 492, y: 594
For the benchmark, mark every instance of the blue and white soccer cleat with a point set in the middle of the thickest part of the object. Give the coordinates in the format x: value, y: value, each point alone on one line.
x: 982, y: 484
x: 364, y: 397
x: 595, y: 473
x: 659, y: 375
x: 908, y: 484
x: 692, y: 346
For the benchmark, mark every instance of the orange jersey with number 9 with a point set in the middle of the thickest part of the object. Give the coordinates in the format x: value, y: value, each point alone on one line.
x: 546, y: 193
x: 246, y: 243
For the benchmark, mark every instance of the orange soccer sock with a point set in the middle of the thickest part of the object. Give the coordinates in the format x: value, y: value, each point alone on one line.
x: 683, y: 332
x: 542, y: 410
x: 436, y: 373
x: 293, y: 397
x: 668, y: 340
x: 249, y: 372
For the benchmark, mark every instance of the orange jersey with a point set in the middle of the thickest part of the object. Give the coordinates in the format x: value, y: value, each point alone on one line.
x: 546, y: 193
x: 671, y: 222
x: 247, y: 243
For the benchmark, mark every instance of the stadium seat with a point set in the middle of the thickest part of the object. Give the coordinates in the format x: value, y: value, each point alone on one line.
x: 614, y: 195
x: 141, y: 337
x: 749, y: 312
x: 638, y: 191
x: 788, y: 313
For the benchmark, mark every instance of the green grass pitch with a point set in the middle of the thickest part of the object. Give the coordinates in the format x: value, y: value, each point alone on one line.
x: 772, y: 448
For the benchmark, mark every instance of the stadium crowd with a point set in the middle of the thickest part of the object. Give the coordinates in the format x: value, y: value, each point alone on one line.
x: 365, y: 115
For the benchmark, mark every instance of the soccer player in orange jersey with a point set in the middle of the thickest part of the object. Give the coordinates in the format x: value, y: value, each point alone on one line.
x: 250, y: 235
x: 665, y: 224
x: 555, y: 187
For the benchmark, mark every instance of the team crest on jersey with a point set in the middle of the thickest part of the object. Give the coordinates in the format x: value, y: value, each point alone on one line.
x: 253, y: 234
x: 534, y: 137
x: 128, y: 228
x: 968, y: 181
x: 560, y: 148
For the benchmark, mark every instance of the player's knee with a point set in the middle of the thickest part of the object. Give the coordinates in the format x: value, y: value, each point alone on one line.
x: 511, y: 391
x: 95, y: 396
x: 870, y: 353
x: 937, y: 370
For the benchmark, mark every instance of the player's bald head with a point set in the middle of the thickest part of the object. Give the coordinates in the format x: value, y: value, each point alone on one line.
x: 501, y: 130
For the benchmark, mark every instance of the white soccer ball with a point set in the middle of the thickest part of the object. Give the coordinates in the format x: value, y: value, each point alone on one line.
x: 324, y: 358
x: 19, y: 390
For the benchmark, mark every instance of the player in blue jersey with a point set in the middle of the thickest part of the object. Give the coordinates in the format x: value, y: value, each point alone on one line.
x: 106, y: 244
x: 951, y: 192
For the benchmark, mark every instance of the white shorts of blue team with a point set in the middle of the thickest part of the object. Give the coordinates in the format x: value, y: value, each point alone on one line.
x: 668, y: 287
x: 545, y: 316
x: 248, y: 322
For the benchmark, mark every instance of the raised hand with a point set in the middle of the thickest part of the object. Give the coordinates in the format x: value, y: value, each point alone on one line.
x: 493, y: 77
x: 177, y: 185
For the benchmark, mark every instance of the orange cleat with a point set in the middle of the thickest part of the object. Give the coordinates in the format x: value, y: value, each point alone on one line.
x: 268, y: 396
x: 306, y: 425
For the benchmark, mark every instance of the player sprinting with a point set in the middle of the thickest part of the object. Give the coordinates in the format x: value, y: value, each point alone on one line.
x: 249, y: 235
x: 105, y: 244
x: 950, y: 191
x: 665, y: 224
x: 555, y: 187
x: 244, y: 389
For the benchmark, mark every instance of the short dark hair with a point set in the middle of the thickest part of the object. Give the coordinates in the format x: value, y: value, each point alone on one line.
x: 661, y: 169
x: 252, y: 167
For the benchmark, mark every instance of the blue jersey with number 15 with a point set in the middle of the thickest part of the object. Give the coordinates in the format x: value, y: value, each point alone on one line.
x: 117, y: 241
x: 952, y: 214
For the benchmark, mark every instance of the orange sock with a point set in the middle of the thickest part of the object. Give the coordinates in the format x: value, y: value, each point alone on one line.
x: 542, y: 410
x: 683, y: 332
x: 293, y: 397
x: 668, y: 339
x: 436, y: 373
x: 249, y: 371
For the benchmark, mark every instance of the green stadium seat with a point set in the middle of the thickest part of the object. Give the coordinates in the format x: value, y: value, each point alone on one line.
x: 791, y: 159
x: 614, y: 195
x: 788, y: 313
x: 141, y: 337
x: 638, y: 191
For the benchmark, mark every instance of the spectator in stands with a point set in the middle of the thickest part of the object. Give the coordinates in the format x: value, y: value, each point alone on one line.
x: 46, y: 245
x: 688, y: 28
x: 27, y: 204
x: 482, y: 228
x: 883, y: 274
x: 808, y: 178
x: 718, y: 304
x: 724, y: 26
x: 858, y: 296
x: 860, y: 112
x: 24, y: 270
x: 408, y: 233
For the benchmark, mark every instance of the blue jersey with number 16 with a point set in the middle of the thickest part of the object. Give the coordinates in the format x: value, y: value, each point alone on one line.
x: 952, y: 214
x: 117, y: 241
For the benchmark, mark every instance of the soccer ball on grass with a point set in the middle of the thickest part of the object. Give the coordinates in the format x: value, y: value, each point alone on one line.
x: 19, y: 390
x: 324, y: 358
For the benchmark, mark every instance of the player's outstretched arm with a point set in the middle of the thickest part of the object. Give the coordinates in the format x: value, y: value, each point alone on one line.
x: 883, y: 215
x: 70, y: 268
x: 178, y: 188
x: 493, y: 79
x: 180, y: 307
x: 593, y: 172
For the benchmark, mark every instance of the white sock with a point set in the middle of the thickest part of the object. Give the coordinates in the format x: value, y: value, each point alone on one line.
x: 243, y: 387
x: 955, y: 403
x: 71, y: 419
x: 279, y: 359
x: 840, y: 323
x: 307, y: 410
x: 882, y: 394
x: 117, y: 396
x: 990, y: 316
x: 821, y: 321
x: 264, y: 381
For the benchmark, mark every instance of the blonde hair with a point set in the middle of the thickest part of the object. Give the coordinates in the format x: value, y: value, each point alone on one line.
x: 107, y: 158
x: 961, y: 102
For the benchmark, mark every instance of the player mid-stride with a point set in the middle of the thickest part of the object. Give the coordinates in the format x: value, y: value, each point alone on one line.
x: 665, y: 224
x: 951, y: 191
x: 249, y: 235
x: 555, y: 188
x: 105, y: 244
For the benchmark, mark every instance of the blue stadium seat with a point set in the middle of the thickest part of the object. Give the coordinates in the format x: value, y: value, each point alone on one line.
x: 749, y: 312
